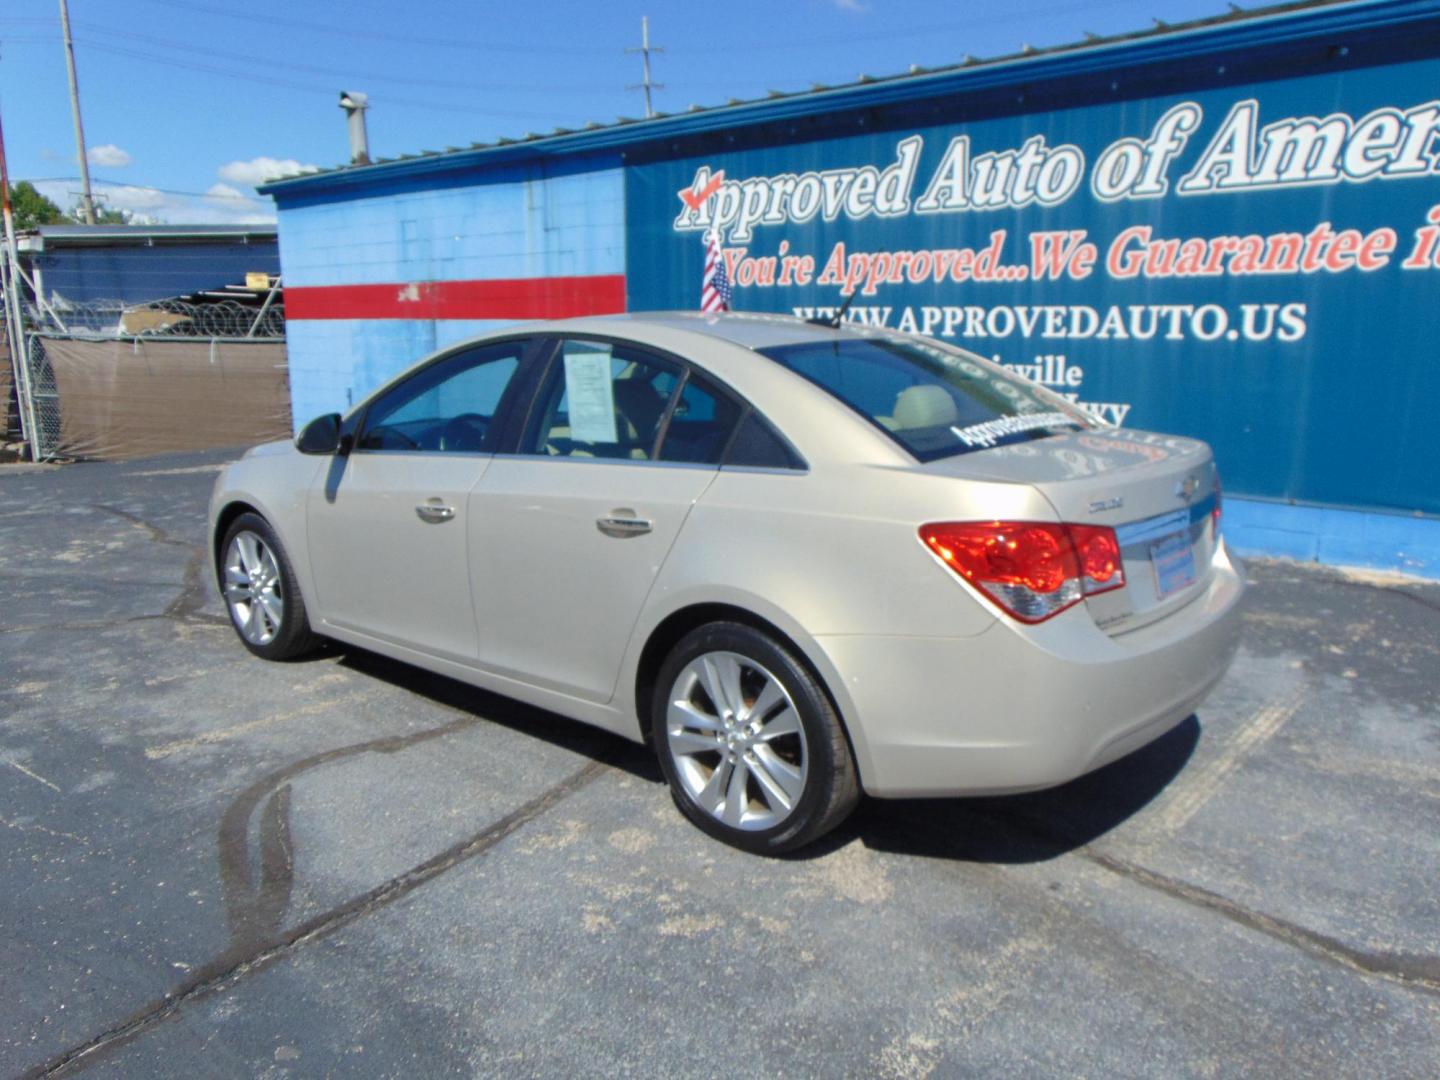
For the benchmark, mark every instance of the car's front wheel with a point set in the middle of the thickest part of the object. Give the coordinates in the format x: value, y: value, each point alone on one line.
x: 261, y: 593
x: 749, y: 741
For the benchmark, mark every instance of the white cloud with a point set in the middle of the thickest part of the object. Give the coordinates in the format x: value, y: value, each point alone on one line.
x: 851, y: 5
x: 220, y: 205
x: 225, y: 191
x: 258, y: 170
x: 109, y: 156
x: 131, y: 197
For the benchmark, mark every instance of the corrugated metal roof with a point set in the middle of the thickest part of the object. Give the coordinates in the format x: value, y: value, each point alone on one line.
x: 102, y: 235
x: 1235, y: 28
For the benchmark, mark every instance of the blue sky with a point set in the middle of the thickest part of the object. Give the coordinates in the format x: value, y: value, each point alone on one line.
x: 189, y: 103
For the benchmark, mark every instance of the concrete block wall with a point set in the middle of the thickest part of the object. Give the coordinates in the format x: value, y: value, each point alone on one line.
x: 354, y: 319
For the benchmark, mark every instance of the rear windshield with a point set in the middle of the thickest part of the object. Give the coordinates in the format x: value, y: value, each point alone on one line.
x: 934, y: 401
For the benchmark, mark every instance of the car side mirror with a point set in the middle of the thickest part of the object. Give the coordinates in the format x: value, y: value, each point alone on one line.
x: 322, y: 436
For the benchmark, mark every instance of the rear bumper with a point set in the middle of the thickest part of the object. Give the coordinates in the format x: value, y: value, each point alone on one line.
x: 1021, y: 708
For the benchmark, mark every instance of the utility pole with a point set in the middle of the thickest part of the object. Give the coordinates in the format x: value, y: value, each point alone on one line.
x: 644, y: 50
x: 87, y: 203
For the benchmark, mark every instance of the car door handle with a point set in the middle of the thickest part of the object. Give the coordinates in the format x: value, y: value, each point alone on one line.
x: 622, y: 523
x: 434, y: 512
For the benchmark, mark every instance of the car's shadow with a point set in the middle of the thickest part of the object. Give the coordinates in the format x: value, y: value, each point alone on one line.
x: 1026, y: 828
x: 559, y: 731
x: 1033, y: 827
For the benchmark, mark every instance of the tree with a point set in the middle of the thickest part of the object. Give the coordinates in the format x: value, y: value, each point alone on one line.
x: 32, y: 208
x: 104, y: 215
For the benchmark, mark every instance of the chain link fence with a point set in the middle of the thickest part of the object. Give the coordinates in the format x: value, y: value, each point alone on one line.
x: 44, y: 412
x: 113, y: 398
x: 252, y: 318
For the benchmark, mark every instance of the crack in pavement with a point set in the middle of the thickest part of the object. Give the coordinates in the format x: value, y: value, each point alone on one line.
x: 1419, y: 972
x: 1392, y: 590
x: 199, y: 617
x: 192, y: 593
x: 252, y: 954
x: 156, y: 533
x: 186, y: 606
x: 20, y: 826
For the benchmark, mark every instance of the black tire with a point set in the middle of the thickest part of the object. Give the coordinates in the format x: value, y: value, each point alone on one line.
x: 293, y: 638
x: 831, y: 786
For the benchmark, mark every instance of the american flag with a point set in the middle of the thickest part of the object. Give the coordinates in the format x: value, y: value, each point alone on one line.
x: 715, y: 285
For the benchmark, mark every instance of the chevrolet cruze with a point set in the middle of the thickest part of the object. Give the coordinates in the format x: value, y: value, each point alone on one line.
x: 801, y: 561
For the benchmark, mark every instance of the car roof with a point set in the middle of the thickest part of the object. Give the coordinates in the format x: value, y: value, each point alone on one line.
x: 751, y: 330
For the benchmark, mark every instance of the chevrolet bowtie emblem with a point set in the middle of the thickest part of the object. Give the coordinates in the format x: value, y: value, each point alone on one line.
x: 1185, y: 489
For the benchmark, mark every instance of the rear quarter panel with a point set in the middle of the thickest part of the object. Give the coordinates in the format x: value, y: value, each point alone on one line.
x: 837, y: 547
x: 833, y: 551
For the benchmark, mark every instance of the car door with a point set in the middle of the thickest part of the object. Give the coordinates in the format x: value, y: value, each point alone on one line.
x: 568, y: 535
x: 387, y: 523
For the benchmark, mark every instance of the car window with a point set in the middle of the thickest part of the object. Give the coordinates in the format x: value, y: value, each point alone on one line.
x: 757, y: 446
x: 933, y: 400
x: 602, y: 401
x: 447, y: 407
x: 700, y: 426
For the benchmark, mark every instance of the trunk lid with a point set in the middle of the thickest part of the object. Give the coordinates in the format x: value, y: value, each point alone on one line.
x: 1158, y: 492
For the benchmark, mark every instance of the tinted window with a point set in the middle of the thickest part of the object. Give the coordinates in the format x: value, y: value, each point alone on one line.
x: 756, y: 445
x: 448, y: 407
x: 700, y: 426
x: 933, y: 400
x: 602, y: 401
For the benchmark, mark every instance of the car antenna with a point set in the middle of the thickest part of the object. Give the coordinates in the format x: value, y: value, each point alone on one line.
x: 834, y: 321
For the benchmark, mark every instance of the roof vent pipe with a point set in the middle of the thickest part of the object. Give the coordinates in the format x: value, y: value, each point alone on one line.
x: 355, y: 105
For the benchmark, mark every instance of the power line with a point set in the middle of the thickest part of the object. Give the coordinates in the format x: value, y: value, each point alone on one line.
x: 710, y: 48
x: 106, y: 189
x: 371, y: 76
x: 344, y: 73
x: 334, y: 30
x: 252, y: 77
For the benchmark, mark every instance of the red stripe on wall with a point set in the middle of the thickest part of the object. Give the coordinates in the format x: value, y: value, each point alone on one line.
x: 518, y: 298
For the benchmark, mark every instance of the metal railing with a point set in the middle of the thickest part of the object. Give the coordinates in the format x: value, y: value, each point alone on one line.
x: 163, y: 318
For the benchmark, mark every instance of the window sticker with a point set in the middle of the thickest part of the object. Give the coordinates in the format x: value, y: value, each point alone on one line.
x: 992, y: 431
x: 591, y: 399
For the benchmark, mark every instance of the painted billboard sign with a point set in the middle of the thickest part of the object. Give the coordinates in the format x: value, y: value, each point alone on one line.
x: 1258, y: 266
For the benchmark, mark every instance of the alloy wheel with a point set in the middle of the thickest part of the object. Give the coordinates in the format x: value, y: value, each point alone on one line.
x: 253, y: 589
x: 736, y: 740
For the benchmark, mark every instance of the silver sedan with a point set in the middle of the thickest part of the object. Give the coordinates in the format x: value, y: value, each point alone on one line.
x: 801, y: 561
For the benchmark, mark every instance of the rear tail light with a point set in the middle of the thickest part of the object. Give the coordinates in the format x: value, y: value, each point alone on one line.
x: 1029, y: 569
x: 1215, y: 513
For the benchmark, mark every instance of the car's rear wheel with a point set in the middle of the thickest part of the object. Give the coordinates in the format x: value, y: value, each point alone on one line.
x: 261, y: 593
x: 749, y: 741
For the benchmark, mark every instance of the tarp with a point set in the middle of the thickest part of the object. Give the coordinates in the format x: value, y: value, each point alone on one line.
x: 7, y: 418
x: 129, y: 398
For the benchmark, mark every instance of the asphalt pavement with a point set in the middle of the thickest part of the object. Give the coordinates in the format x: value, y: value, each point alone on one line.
x: 212, y: 865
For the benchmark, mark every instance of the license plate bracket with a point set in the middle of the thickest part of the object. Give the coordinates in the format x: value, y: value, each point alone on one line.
x: 1173, y: 560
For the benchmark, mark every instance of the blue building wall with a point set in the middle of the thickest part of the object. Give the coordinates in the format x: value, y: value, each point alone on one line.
x: 533, y: 223
x: 514, y: 224
x: 139, y: 274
